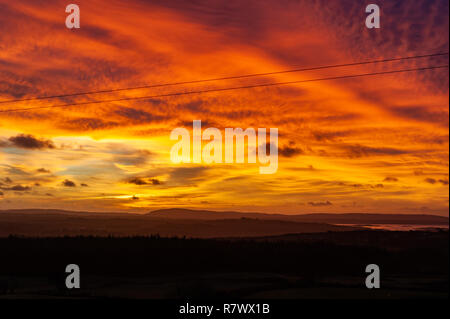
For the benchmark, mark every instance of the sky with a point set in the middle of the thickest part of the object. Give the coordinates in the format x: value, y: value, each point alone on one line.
x: 377, y: 144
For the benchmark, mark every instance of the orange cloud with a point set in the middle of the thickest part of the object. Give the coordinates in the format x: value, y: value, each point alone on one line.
x: 333, y: 134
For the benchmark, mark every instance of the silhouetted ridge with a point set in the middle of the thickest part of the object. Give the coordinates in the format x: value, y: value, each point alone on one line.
x: 349, y: 218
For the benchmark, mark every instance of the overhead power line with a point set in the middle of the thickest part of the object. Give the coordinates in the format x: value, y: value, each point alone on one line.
x: 227, y: 89
x: 225, y: 78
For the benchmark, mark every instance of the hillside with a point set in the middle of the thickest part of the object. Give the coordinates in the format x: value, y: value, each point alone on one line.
x: 42, y: 224
x: 310, y: 218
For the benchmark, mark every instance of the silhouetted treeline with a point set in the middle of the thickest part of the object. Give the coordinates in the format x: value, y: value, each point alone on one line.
x: 423, y: 253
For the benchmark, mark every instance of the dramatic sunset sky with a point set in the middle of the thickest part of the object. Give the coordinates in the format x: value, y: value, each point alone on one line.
x: 372, y: 144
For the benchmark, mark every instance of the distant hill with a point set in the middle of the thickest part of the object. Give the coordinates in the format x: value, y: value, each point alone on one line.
x: 353, y: 218
x: 53, y: 223
x: 190, y: 223
x: 189, y: 214
x: 37, y: 211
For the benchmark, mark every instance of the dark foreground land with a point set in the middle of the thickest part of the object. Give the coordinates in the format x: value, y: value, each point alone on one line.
x: 320, y: 265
